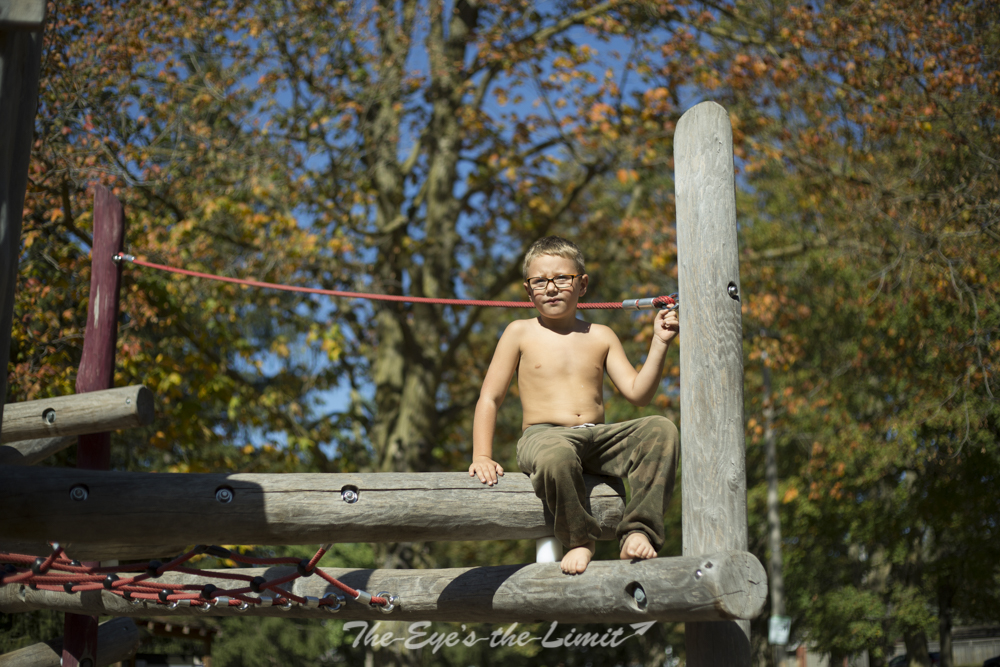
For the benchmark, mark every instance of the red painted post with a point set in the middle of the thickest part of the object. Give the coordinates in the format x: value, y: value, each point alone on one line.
x: 97, y: 372
x: 97, y: 365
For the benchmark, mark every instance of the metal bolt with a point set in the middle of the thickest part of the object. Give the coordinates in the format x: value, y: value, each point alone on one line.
x: 334, y: 602
x: 224, y: 495
x: 78, y: 492
x: 734, y: 291
x: 49, y: 416
x: 128, y: 401
x: 349, y: 496
x: 640, y: 596
x: 697, y: 574
x: 393, y: 600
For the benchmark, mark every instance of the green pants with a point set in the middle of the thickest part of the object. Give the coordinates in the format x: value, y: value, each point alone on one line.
x: 643, y: 451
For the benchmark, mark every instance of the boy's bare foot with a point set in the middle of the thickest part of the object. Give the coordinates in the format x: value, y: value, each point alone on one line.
x: 577, y: 559
x: 637, y: 546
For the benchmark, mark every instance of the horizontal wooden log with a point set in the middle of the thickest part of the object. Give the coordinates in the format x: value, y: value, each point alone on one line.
x: 717, y: 587
x: 23, y: 14
x: 78, y: 414
x: 30, y: 452
x: 117, y: 640
x: 92, y: 508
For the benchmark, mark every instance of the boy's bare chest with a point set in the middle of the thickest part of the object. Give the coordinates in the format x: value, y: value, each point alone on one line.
x: 549, y: 355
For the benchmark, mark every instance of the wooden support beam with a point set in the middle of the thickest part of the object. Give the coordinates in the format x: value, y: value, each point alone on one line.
x: 23, y: 14
x: 707, y: 588
x: 30, y: 452
x: 110, y: 510
x: 117, y: 641
x: 714, y: 514
x: 78, y: 414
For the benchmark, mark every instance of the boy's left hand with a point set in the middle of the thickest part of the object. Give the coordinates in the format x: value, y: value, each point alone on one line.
x: 666, y: 325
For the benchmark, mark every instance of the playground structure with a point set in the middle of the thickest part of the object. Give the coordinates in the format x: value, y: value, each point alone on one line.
x: 99, y: 515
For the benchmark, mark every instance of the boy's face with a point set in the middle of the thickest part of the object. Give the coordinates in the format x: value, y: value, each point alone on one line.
x: 562, y: 288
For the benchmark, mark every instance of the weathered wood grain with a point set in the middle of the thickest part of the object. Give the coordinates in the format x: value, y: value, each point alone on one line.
x: 23, y: 14
x: 131, y: 509
x: 30, y: 452
x: 20, y: 62
x: 708, y: 588
x: 77, y: 414
x: 117, y: 640
x: 714, y: 514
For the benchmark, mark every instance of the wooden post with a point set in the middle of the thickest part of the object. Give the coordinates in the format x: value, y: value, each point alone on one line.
x: 714, y: 483
x: 97, y: 365
x: 20, y: 61
x: 97, y: 371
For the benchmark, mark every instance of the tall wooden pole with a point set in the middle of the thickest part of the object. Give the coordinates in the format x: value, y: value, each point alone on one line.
x: 20, y: 61
x: 714, y: 471
x: 97, y: 370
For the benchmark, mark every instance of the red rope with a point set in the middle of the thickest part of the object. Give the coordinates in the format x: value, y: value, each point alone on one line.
x: 56, y: 572
x: 611, y: 305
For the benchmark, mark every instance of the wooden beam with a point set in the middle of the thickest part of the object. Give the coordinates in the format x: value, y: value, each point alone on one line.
x: 708, y: 588
x: 20, y: 62
x: 111, y: 510
x: 714, y: 514
x: 24, y: 14
x: 78, y: 414
x: 117, y: 641
x: 30, y: 452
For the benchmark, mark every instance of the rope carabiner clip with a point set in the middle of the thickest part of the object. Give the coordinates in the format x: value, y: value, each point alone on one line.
x: 672, y: 302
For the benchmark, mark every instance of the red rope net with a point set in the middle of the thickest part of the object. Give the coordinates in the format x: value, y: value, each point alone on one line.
x: 56, y: 572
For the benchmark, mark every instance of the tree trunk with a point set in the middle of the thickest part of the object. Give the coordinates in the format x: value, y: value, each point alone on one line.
x: 916, y: 648
x: 945, y: 596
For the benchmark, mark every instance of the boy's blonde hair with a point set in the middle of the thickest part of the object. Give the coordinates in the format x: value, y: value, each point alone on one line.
x: 555, y: 246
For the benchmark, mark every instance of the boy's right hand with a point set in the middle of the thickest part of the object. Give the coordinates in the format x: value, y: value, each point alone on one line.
x: 486, y: 469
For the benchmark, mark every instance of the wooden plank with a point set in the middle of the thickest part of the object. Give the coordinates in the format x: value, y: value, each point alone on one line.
x: 125, y: 509
x: 78, y: 414
x: 20, y: 61
x: 23, y: 14
x: 30, y: 452
x: 710, y: 588
x: 714, y: 514
x: 117, y: 641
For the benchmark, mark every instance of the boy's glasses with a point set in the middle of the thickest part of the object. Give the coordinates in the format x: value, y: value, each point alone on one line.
x: 561, y: 282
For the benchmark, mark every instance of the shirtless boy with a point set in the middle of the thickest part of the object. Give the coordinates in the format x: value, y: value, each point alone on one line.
x: 560, y: 362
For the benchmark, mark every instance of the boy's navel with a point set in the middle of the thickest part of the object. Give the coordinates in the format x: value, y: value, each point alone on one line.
x: 538, y: 365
